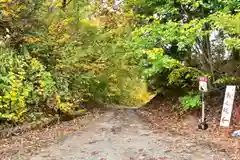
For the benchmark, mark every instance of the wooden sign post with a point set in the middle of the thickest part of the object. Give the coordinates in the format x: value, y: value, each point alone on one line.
x: 227, y: 107
x: 203, y: 88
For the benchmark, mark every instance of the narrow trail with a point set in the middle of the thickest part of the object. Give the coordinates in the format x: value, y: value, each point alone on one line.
x: 123, y: 135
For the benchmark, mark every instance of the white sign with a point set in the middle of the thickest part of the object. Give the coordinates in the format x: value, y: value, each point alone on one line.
x: 227, y: 106
x: 203, y: 84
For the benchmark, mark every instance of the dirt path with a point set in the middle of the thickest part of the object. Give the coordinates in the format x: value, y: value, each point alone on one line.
x: 122, y: 135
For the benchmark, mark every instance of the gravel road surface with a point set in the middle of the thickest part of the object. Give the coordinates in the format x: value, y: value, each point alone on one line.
x: 123, y: 135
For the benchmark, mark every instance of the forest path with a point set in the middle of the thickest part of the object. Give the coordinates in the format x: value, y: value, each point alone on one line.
x: 123, y: 135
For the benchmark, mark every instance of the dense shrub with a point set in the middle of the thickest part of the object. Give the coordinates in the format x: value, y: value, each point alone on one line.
x: 25, y: 84
x: 185, y: 40
x: 56, y: 56
x: 67, y: 61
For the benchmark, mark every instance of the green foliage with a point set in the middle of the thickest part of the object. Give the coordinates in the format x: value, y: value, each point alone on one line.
x: 230, y: 24
x: 228, y: 80
x: 190, y: 101
x: 24, y: 83
x: 185, y: 77
x: 78, y: 61
x: 89, y: 64
x: 187, y: 39
x: 16, y: 18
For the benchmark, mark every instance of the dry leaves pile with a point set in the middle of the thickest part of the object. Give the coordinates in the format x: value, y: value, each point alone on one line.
x: 30, y: 142
x: 164, y: 119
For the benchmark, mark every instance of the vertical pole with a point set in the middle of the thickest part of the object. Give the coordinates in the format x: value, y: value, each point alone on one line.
x: 203, y: 108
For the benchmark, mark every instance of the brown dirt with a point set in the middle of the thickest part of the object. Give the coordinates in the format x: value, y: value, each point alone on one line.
x: 152, y: 133
x: 116, y: 135
x: 30, y: 142
x: 159, y: 113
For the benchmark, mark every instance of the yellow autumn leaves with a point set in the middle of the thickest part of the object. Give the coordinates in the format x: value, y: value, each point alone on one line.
x: 13, y: 99
x: 22, y: 83
x: 11, y: 10
x: 31, y: 40
x: 153, y: 53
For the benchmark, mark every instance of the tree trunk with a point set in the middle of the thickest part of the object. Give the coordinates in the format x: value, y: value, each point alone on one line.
x: 64, y: 4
